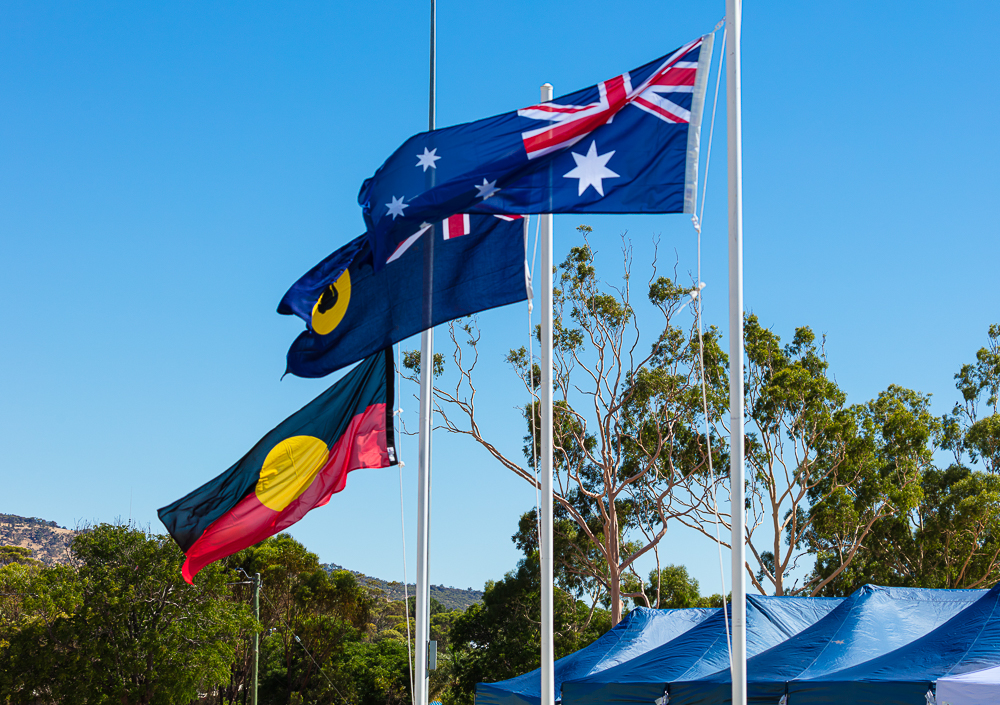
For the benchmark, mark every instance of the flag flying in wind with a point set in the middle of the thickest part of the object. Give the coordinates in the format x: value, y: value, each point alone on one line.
x: 626, y: 145
x: 351, y: 310
x: 296, y: 467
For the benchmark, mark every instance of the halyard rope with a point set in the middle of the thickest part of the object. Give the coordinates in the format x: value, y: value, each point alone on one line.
x: 697, y: 294
x: 531, y: 384
x: 402, y: 521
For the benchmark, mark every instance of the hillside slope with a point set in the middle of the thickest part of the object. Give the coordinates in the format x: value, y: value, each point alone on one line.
x: 49, y: 542
x: 450, y: 598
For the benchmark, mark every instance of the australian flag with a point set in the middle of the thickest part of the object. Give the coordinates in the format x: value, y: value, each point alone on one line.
x: 475, y: 262
x: 626, y: 145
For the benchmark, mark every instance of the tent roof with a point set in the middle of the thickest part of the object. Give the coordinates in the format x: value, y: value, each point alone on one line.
x: 973, y: 688
x: 641, y: 630
x: 986, y: 675
x: 969, y: 641
x: 702, y: 650
x: 872, y: 621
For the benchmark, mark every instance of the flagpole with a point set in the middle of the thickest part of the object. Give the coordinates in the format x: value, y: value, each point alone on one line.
x: 545, y: 541
x: 736, y: 462
x: 426, y: 404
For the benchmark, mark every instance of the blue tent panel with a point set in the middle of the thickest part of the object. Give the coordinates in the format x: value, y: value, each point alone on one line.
x: 700, y: 651
x: 641, y: 630
x: 871, y: 622
x: 969, y: 641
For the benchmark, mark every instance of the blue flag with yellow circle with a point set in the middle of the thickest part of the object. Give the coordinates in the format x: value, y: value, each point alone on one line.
x: 463, y: 265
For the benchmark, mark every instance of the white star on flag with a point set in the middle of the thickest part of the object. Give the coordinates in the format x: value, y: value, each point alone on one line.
x: 427, y: 159
x: 591, y: 169
x: 486, y: 189
x: 396, y: 207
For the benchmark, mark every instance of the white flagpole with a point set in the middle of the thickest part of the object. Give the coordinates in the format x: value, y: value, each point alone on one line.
x: 426, y: 404
x: 545, y: 543
x: 736, y: 473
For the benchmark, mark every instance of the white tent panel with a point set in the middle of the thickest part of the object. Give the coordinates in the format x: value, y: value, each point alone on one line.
x: 975, y: 688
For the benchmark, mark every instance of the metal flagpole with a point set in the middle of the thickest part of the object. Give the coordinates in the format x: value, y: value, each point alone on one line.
x: 423, y: 605
x: 545, y: 544
x: 736, y: 473
x: 256, y: 637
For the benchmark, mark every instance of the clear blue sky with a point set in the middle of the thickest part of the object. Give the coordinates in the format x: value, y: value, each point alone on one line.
x: 168, y: 169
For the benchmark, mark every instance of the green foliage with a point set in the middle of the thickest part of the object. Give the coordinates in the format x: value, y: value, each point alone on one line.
x: 121, y: 626
x: 946, y: 532
x: 854, y: 487
x: 973, y: 427
x: 951, y: 539
x: 982, y: 441
x: 124, y: 627
x: 580, y: 569
x: 630, y: 451
x: 498, y: 639
x: 318, y: 627
x: 15, y: 554
x: 796, y: 440
x: 673, y: 588
x: 31, y: 596
x: 824, y: 473
x: 885, y: 459
x: 379, y: 672
x: 411, y: 361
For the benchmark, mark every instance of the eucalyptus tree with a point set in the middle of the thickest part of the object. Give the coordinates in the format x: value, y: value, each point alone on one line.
x: 632, y: 454
x: 630, y: 446
x: 973, y: 428
x: 879, y: 482
x: 821, y: 473
x: 950, y: 537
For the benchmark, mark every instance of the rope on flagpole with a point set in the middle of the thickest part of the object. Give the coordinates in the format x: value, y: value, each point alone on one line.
x: 531, y: 388
x: 402, y: 519
x: 696, y: 297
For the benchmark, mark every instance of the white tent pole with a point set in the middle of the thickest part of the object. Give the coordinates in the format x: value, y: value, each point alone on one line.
x: 545, y: 545
x: 426, y: 404
x: 736, y: 462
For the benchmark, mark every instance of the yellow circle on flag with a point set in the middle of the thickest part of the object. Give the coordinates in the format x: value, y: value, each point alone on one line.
x: 330, y: 307
x: 289, y: 469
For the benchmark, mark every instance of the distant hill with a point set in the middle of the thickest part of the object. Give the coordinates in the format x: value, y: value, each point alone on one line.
x: 450, y: 598
x: 49, y: 542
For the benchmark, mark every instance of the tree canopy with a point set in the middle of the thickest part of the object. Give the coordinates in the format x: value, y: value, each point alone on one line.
x: 631, y: 440
x: 122, y: 628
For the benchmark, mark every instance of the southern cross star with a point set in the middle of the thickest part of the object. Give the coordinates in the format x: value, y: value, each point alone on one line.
x: 427, y: 159
x: 396, y: 207
x: 487, y: 189
x: 591, y: 169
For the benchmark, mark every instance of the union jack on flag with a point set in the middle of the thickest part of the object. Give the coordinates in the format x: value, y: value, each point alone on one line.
x: 626, y: 145
x: 574, y: 122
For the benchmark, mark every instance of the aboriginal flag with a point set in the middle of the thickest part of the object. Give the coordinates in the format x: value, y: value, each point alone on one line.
x: 294, y: 468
